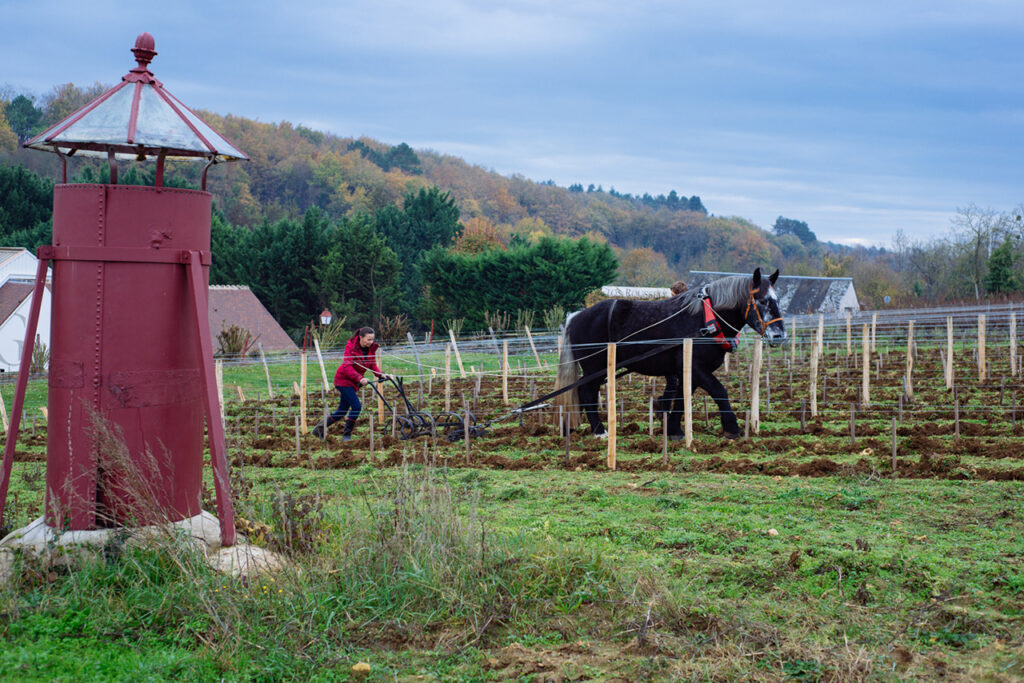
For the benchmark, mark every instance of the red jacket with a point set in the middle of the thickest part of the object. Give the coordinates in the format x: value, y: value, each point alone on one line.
x: 357, y: 361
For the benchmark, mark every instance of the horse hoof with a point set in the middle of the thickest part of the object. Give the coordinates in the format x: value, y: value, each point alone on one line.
x: 675, y: 437
x: 602, y: 435
x: 732, y: 436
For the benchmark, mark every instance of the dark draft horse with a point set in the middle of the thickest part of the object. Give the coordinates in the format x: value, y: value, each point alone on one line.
x: 640, y: 327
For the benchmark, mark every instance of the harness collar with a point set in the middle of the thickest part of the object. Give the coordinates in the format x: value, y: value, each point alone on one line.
x: 712, y: 328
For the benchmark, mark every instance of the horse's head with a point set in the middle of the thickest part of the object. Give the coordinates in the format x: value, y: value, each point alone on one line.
x: 763, y: 314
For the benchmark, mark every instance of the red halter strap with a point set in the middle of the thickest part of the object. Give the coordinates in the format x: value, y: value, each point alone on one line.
x: 712, y: 328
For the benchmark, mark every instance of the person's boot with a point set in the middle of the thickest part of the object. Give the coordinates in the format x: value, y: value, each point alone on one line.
x: 318, y: 431
x: 347, y: 434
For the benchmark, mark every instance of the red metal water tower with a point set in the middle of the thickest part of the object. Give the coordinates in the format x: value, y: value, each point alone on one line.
x: 130, y: 340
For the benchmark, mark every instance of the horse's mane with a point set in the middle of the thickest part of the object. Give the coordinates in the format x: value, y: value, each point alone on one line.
x: 726, y: 293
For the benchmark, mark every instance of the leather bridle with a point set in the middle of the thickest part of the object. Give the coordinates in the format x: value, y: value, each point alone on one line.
x: 757, y: 309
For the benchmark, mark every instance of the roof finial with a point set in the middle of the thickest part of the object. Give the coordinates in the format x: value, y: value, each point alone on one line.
x: 144, y: 50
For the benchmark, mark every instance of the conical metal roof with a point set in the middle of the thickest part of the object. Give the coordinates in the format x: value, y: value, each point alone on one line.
x: 136, y: 119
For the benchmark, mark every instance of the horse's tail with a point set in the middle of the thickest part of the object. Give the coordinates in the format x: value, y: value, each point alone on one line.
x: 568, y: 374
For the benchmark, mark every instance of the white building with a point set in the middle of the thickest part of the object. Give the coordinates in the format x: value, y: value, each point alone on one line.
x: 17, y: 276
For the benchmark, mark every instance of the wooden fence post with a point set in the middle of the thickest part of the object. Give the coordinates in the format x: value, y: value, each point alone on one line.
x: 755, y: 386
x: 266, y: 371
x: 419, y: 367
x: 323, y: 370
x: 949, y: 352
x: 612, y: 417
x: 1013, y: 344
x: 458, y: 356
x: 874, y: 327
x: 910, y: 361
x: 821, y: 334
x: 533, y: 347
x: 504, y: 371
x: 302, y: 392
x: 866, y: 365
x: 982, y: 369
x: 814, y: 380
x: 688, y: 390
x: 448, y: 378
x: 849, y: 336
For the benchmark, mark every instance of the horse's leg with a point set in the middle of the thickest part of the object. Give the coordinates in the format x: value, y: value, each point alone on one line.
x: 707, y: 381
x: 588, y: 400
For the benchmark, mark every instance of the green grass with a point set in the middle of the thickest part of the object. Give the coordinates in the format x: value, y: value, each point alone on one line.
x: 861, y: 570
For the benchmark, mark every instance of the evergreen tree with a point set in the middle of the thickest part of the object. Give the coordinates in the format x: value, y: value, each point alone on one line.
x: 1001, y: 276
x: 23, y: 116
x: 359, y: 276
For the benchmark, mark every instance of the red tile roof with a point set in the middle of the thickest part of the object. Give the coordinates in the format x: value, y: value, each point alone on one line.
x: 12, y: 293
x: 237, y: 305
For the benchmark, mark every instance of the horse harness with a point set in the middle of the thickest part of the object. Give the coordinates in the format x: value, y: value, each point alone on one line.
x: 712, y: 328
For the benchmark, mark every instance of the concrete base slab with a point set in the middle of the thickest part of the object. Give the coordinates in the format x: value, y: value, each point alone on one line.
x: 37, y: 538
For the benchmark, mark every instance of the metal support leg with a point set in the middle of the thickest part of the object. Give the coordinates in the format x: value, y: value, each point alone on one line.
x: 23, y: 370
x: 211, y: 402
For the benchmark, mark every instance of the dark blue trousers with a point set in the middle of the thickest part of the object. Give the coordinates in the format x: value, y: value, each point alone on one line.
x: 349, y: 406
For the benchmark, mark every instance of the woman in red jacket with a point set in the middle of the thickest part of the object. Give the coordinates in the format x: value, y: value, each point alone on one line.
x: 360, y: 357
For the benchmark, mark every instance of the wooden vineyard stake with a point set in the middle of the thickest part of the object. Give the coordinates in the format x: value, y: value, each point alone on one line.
x: 430, y: 381
x: 821, y: 334
x: 219, y: 371
x: 746, y: 425
x: 241, y: 396
x: 853, y: 424
x: 1013, y: 344
x: 894, y: 470
x: 369, y: 456
x: 866, y: 370
x: 458, y: 356
x: 803, y: 415
x: 302, y: 392
x: 901, y: 410
x: 256, y: 425
x: 298, y: 436
x: 266, y: 371
x: 727, y: 363
x: 909, y: 382
x: 688, y: 391
x: 612, y: 417
x: 3, y: 413
x: 465, y: 426
x: 814, y: 380
x: 949, y: 352
x: 664, y: 437
x: 792, y: 344
x: 982, y: 366
x: 320, y: 360
x: 874, y: 327
x: 1013, y: 409
x: 45, y: 413
x: 849, y: 336
x: 504, y: 371
x: 295, y: 390
x: 755, y: 387
x: 707, y: 420
x: 419, y: 366
x: 789, y: 392
x: 650, y: 417
x: 394, y: 423
x: 1002, y: 388
x: 448, y: 378
x: 533, y: 348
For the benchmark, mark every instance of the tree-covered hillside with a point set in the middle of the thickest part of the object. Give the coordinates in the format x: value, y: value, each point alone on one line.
x: 318, y: 191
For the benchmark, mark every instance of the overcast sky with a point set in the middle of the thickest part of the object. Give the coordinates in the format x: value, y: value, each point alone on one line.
x: 858, y: 118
